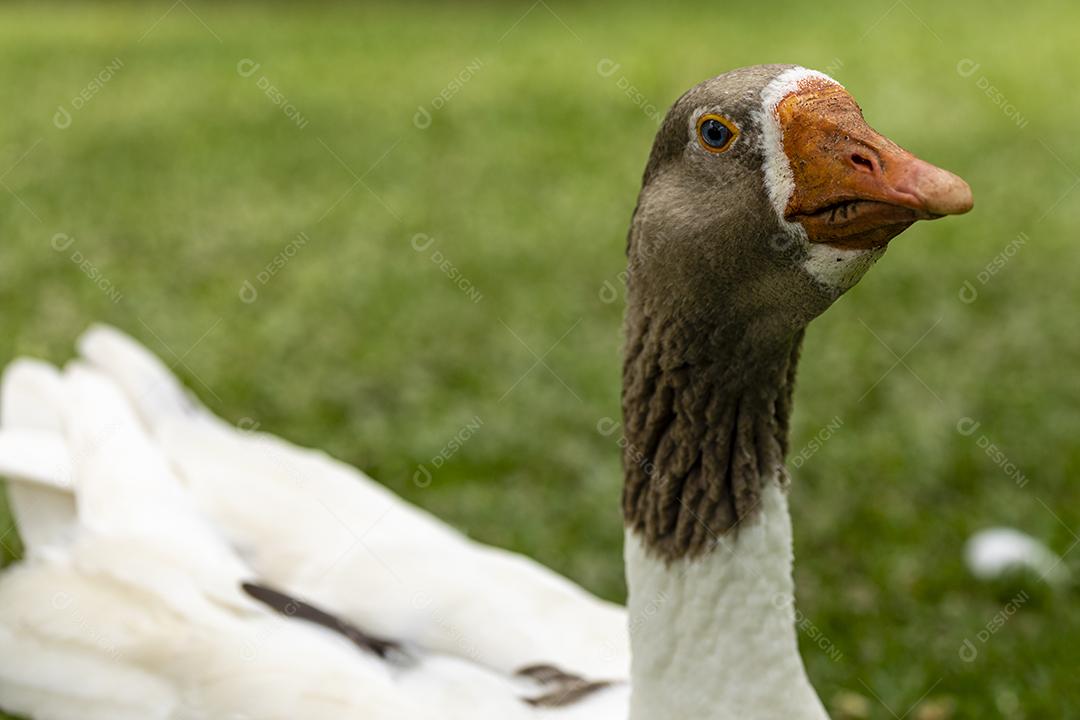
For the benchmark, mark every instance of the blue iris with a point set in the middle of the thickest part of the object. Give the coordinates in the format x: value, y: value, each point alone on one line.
x: 715, y: 133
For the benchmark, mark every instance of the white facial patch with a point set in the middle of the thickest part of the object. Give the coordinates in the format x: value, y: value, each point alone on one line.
x: 838, y: 269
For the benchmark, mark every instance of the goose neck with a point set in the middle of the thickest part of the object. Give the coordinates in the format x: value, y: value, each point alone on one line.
x: 708, y: 533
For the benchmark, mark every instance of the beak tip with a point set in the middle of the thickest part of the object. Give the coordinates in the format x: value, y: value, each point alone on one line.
x: 956, y: 199
x: 943, y: 193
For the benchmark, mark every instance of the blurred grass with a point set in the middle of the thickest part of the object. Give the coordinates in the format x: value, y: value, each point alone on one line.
x: 180, y: 180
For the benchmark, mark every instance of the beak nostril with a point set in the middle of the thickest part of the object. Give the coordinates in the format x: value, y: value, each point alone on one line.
x: 862, y: 163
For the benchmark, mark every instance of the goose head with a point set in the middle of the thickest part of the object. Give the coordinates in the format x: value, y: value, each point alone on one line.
x: 768, y: 194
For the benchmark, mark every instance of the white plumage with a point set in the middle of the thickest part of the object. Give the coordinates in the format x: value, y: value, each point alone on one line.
x: 143, y: 515
x: 996, y: 552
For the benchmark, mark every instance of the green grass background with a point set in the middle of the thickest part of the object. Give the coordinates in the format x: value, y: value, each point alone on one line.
x: 180, y: 180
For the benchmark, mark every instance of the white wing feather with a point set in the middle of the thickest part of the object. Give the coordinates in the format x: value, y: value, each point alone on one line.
x: 129, y: 604
x: 30, y: 402
x: 326, y: 531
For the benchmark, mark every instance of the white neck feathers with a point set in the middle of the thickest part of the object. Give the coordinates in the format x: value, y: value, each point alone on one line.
x: 713, y: 638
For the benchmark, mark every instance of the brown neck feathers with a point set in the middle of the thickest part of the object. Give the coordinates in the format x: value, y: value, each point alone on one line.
x: 706, y: 423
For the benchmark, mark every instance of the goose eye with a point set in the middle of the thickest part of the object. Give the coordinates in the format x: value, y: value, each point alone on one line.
x: 716, y: 133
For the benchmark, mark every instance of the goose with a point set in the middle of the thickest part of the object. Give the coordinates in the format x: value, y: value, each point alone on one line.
x: 179, y: 567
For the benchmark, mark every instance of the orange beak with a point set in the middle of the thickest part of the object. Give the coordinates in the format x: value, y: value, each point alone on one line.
x: 855, y: 188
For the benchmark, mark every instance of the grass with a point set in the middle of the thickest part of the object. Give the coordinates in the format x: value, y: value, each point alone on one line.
x: 181, y: 179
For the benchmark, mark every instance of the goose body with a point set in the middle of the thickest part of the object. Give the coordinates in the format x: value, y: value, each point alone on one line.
x: 354, y: 546
x: 131, y: 604
x: 178, y: 567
